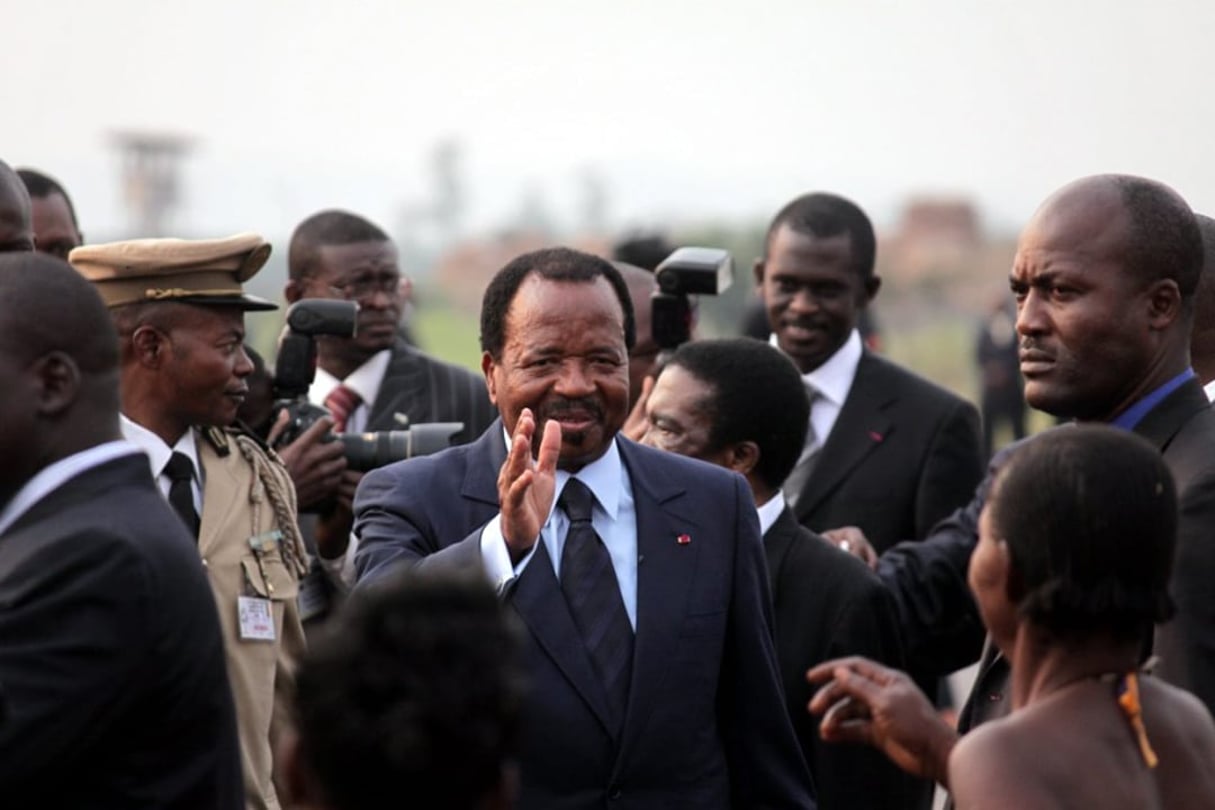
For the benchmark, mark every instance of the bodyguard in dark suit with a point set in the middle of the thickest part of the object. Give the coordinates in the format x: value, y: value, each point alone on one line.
x: 886, y: 450
x: 827, y: 603
x: 649, y: 649
x: 370, y: 382
x: 1104, y: 280
x: 111, y: 660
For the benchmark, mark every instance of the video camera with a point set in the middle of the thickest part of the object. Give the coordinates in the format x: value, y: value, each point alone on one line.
x: 295, y: 369
x: 687, y: 271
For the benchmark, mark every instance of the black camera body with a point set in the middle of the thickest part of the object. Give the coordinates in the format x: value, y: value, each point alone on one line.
x: 688, y: 271
x: 295, y: 369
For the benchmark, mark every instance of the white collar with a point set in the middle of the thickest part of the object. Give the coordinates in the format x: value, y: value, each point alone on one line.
x: 364, y: 380
x: 55, y: 475
x: 1209, y: 388
x: 601, y: 476
x: 770, y: 511
x: 833, y: 379
x: 157, y: 451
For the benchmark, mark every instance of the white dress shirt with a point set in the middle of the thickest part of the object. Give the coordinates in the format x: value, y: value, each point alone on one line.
x: 55, y: 475
x: 833, y: 380
x: 770, y: 511
x: 364, y: 381
x: 1210, y: 390
x: 158, y: 454
x: 614, y: 517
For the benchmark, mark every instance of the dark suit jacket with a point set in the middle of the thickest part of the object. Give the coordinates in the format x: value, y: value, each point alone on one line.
x: 110, y: 654
x: 706, y: 726
x: 939, y: 620
x: 828, y: 605
x: 425, y: 389
x: 903, y: 454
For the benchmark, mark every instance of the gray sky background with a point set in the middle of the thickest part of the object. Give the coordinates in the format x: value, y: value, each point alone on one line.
x: 687, y: 110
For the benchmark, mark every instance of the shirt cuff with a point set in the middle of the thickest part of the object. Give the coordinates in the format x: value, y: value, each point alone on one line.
x: 340, y: 570
x: 496, y: 557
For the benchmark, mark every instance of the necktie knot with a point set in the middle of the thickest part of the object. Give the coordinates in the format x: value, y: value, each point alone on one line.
x: 179, y: 468
x: 576, y: 501
x: 341, y: 402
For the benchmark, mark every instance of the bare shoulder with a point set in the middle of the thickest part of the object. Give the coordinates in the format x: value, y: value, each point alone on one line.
x: 991, y: 768
x: 1182, y: 733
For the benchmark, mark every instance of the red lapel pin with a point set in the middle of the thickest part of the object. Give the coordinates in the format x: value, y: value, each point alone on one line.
x: 683, y: 539
x: 873, y: 434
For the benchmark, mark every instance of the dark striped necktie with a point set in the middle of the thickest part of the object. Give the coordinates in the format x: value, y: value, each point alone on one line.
x: 588, y: 581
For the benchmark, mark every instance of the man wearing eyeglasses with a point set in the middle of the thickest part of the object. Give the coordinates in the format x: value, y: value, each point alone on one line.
x: 370, y: 382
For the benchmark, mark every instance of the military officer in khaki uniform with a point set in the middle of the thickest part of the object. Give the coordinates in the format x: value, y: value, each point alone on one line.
x: 179, y: 310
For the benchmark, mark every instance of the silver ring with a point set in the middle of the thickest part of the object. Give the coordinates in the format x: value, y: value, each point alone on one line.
x: 845, y: 546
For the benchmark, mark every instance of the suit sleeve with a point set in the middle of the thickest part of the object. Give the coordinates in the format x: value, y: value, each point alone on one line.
x: 391, y: 522
x: 766, y: 766
x: 72, y: 644
x: 953, y: 468
x: 1186, y: 645
x: 938, y: 621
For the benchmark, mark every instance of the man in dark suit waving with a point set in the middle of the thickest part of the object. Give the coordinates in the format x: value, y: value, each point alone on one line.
x: 638, y: 574
x: 887, y: 451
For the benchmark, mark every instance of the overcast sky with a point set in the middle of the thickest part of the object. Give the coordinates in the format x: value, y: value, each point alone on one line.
x: 687, y: 110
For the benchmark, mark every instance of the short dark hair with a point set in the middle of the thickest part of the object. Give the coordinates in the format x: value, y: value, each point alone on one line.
x: 758, y: 396
x: 40, y: 186
x: 824, y: 215
x: 323, y: 229
x: 414, y: 689
x: 1164, y: 240
x: 1089, y: 514
x: 644, y: 250
x: 553, y: 264
x: 46, y: 306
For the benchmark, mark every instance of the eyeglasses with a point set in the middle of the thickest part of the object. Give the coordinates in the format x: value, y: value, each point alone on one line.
x: 366, y: 286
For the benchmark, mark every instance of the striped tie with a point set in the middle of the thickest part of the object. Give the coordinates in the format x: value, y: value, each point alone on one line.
x: 588, y: 581
x: 341, y: 402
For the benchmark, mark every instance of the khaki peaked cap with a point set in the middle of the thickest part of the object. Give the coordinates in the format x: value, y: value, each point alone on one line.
x: 207, y: 272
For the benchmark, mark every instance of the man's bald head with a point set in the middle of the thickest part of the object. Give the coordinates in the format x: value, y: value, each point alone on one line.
x: 16, y: 228
x: 1202, y: 336
x: 58, y: 367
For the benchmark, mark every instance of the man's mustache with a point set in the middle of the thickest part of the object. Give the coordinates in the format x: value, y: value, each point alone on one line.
x: 555, y: 409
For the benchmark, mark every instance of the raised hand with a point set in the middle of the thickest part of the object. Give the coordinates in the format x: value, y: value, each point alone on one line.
x: 865, y: 702
x: 527, y: 486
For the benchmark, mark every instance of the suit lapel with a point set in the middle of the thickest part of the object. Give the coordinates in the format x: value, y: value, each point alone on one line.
x: 539, y: 602
x: 401, y: 391
x: 862, y: 425
x: 665, y: 571
x: 486, y: 457
x: 777, y: 541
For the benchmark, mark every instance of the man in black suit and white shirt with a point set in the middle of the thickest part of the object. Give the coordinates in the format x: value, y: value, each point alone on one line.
x: 886, y: 451
x: 111, y: 659
x: 826, y: 602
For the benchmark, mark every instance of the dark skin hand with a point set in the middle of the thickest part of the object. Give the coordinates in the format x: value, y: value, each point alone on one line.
x: 853, y: 541
x: 864, y: 702
x: 314, y: 464
x: 527, y: 486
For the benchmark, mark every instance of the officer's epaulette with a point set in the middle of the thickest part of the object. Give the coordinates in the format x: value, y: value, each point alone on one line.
x: 218, y: 439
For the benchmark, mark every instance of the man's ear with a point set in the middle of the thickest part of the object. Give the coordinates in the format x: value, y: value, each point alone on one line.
x: 758, y: 269
x: 149, y: 346
x: 741, y: 457
x: 1014, y: 585
x: 58, y: 379
x: 1164, y: 303
x: 294, y: 291
x: 487, y: 368
x: 871, y: 286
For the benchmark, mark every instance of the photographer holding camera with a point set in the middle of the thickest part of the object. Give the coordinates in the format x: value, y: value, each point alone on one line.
x: 370, y: 382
